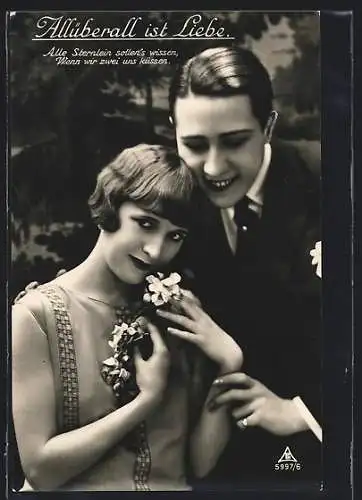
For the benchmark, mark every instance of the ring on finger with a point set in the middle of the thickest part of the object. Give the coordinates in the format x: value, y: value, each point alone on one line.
x: 242, y: 424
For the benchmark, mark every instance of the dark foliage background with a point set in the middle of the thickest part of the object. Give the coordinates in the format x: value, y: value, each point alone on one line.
x: 67, y: 122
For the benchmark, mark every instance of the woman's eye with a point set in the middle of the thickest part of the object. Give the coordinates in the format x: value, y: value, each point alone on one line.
x: 178, y: 237
x: 145, y: 223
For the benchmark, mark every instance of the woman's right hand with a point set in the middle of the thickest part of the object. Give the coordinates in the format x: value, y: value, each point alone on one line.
x: 151, y: 374
x: 200, y: 330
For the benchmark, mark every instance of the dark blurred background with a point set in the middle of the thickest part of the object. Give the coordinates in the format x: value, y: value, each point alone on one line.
x: 66, y: 122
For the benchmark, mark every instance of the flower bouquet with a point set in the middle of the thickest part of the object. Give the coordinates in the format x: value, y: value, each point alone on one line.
x: 118, y: 370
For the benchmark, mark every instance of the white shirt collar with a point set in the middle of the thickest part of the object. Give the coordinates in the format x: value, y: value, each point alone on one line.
x: 255, y: 193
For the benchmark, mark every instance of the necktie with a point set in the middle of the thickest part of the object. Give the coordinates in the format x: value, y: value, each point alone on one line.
x: 246, y: 220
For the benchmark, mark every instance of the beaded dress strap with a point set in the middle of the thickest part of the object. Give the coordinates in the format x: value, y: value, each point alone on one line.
x: 69, y: 385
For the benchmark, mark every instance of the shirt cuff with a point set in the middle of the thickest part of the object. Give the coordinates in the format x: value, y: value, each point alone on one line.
x: 308, y: 417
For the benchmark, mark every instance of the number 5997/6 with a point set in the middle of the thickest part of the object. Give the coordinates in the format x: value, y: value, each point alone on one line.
x: 288, y: 466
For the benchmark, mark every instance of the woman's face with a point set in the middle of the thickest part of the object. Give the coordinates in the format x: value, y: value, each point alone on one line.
x: 222, y: 141
x: 143, y: 243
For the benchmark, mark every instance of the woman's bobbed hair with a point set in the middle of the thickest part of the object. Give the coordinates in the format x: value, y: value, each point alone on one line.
x: 224, y: 72
x: 152, y: 176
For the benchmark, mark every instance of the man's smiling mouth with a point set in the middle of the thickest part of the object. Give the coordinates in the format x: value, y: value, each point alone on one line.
x: 219, y: 185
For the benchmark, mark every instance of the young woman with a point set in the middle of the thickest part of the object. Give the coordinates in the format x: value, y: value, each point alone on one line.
x: 261, y: 220
x: 72, y: 432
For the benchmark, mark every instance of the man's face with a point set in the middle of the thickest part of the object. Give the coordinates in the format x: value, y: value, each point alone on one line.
x: 221, y: 140
x: 143, y: 244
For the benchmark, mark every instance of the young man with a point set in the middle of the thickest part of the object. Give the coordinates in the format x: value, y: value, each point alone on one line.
x: 252, y: 264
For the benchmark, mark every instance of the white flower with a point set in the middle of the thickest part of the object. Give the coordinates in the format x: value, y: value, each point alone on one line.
x: 124, y: 374
x: 117, y: 334
x: 152, y: 279
x: 115, y: 369
x: 114, y: 372
x: 157, y: 287
x: 316, y: 255
x: 160, y: 290
x: 120, y: 331
x: 131, y: 331
x: 173, y: 279
x: 110, y: 362
x: 159, y: 299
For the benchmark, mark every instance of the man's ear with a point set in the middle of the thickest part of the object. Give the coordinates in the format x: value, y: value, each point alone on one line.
x: 270, y: 124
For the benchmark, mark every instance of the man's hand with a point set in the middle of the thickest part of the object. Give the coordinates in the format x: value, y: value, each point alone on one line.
x: 248, y: 398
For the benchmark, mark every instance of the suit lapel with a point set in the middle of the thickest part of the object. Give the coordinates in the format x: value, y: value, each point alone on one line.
x: 282, y: 222
x: 283, y: 217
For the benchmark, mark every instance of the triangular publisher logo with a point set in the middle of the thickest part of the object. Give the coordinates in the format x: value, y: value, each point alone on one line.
x: 287, y: 456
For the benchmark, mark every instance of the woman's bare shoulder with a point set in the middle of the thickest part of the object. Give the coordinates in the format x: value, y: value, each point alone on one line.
x: 29, y: 306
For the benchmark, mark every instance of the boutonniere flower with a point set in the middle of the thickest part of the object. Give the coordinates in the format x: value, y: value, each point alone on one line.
x: 316, y: 255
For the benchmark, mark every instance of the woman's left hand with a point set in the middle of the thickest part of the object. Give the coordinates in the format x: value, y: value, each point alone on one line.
x: 199, y: 329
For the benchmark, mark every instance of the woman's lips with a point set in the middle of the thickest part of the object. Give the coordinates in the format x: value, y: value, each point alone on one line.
x: 140, y: 264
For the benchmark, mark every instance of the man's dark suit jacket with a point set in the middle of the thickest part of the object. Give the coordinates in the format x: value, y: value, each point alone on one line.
x: 271, y: 305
